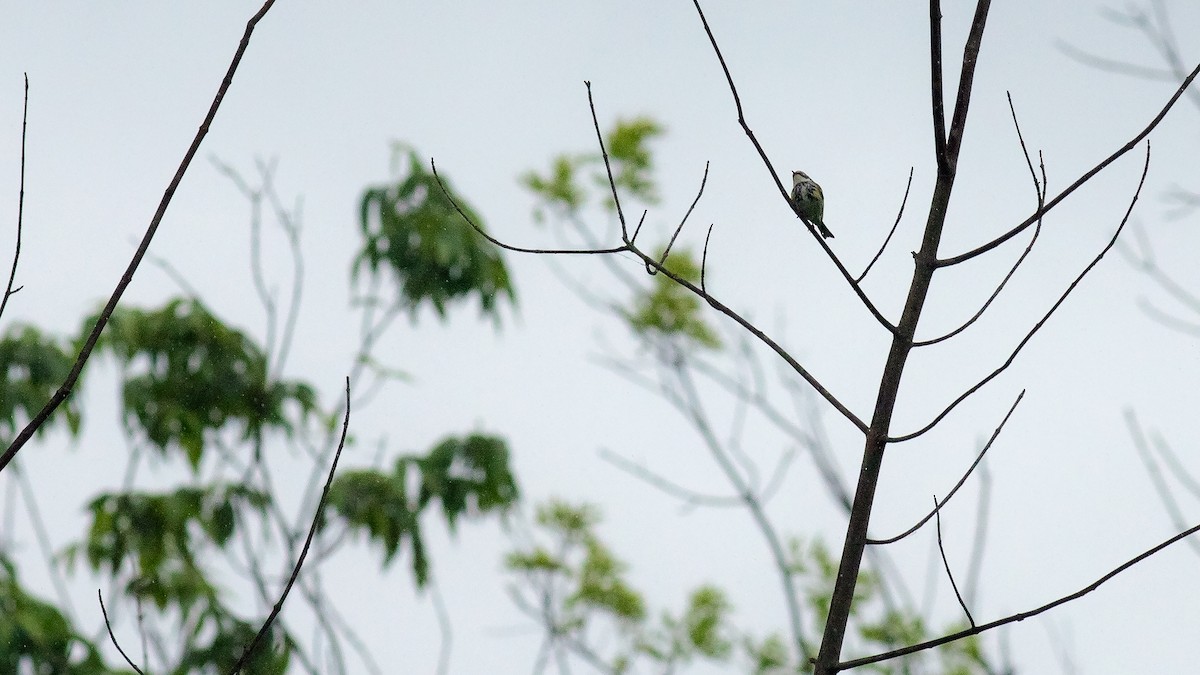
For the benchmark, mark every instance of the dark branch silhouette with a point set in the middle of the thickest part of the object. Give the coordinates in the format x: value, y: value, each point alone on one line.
x: 112, y: 637
x: 102, y: 320
x: 1039, y: 188
x: 12, y: 275
x: 779, y: 185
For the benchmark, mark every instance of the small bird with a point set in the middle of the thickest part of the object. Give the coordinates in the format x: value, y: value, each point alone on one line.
x: 809, y: 201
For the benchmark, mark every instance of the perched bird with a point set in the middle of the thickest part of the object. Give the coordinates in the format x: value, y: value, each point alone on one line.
x: 810, y: 201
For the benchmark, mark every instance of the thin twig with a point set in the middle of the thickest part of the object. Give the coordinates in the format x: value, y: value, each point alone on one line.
x: 704, y: 261
x: 12, y: 275
x: 114, y: 637
x: 102, y: 320
x: 888, y: 238
x: 667, y: 251
x: 312, y: 531
x: 946, y: 564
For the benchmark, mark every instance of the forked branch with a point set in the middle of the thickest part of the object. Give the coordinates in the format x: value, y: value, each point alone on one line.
x: 1162, y: 113
x: 1041, y: 322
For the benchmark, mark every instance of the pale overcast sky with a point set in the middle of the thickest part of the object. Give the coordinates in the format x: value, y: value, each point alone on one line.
x: 494, y: 89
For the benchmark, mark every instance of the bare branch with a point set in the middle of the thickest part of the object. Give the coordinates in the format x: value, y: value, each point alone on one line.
x: 966, y: 80
x: 704, y: 261
x: 518, y: 249
x: 312, y: 531
x: 1041, y: 322
x: 1039, y: 189
x: 667, y: 251
x: 612, y: 184
x: 86, y: 351
x: 936, y: 87
x: 659, y: 268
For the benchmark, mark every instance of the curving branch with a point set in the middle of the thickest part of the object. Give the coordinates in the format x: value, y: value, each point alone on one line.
x: 1041, y: 322
x: 112, y: 637
x: 737, y: 100
x: 312, y: 531
x: 662, y: 260
x: 102, y: 320
x: 652, y: 263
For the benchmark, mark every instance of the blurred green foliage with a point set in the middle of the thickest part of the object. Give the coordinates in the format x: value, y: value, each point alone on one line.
x: 467, y: 476
x: 186, y: 374
x: 668, y: 310
x: 413, y: 233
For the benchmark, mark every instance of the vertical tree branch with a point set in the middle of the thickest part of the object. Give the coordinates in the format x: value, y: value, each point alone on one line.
x: 925, y: 263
